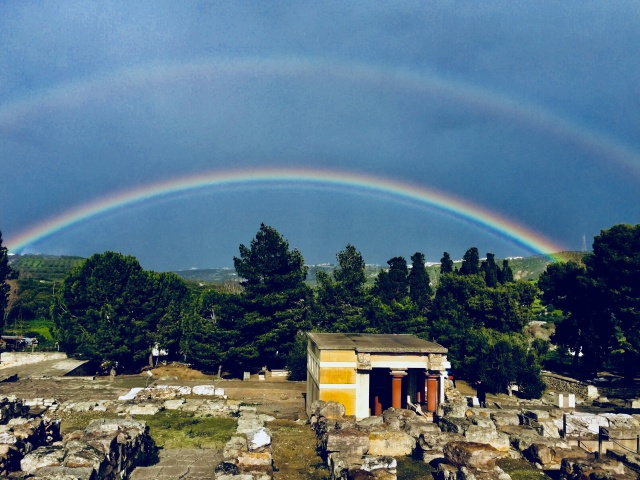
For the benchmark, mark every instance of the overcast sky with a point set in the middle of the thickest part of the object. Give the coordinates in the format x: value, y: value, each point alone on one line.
x: 528, y: 110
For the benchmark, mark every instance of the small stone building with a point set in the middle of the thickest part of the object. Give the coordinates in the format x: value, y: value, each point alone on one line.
x: 369, y: 373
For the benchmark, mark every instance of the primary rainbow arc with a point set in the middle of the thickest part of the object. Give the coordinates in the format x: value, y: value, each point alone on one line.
x: 346, y: 180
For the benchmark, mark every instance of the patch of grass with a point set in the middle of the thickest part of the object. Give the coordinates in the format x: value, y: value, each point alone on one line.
x: 294, y: 452
x: 175, y: 429
x: 413, y: 469
x: 521, y: 470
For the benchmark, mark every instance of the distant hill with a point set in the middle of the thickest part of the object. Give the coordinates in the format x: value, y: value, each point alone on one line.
x: 43, y: 267
x: 53, y: 267
x: 524, y: 268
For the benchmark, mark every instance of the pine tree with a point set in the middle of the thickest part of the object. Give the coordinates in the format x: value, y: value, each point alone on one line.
x: 470, y: 262
x: 446, y: 264
x: 6, y: 273
x: 420, y: 290
x: 275, y: 299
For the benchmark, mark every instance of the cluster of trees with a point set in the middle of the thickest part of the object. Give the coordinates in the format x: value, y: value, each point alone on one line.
x: 601, y: 302
x: 109, y: 308
x: 6, y: 273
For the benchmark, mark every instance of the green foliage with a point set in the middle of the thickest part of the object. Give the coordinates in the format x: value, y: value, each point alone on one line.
x: 502, y: 359
x: 109, y: 308
x: 420, y: 290
x: 48, y: 268
x: 340, y: 302
x: 482, y: 327
x: 297, y: 358
x: 6, y: 273
x: 470, y: 262
x: 446, y: 264
x: 275, y: 300
x: 614, y: 270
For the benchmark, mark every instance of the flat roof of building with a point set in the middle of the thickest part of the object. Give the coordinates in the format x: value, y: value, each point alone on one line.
x: 375, y: 343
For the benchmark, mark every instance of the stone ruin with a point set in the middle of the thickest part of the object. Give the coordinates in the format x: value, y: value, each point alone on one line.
x: 31, y: 446
x: 107, y: 449
x: 465, y: 443
x: 247, y: 455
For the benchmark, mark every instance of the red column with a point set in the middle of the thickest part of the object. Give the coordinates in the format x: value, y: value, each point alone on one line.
x: 396, y: 387
x: 377, y: 405
x: 432, y: 392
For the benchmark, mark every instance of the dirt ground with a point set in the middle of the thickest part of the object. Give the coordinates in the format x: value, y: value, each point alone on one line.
x: 275, y: 396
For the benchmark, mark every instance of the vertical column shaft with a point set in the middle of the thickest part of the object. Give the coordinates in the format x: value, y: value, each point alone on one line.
x: 432, y: 392
x: 396, y: 387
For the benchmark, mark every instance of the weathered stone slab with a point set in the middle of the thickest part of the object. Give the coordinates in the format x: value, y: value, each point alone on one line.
x: 502, y: 419
x: 144, y: 409
x: 204, y: 390
x: 349, y: 442
x: 131, y: 395
x: 391, y: 443
x: 259, y: 438
x: 174, y: 404
x: 468, y: 454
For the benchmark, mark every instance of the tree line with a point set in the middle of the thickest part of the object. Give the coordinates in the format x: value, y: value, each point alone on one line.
x: 110, y: 309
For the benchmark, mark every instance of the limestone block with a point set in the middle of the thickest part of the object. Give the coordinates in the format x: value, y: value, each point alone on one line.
x: 145, y: 410
x: 548, y: 456
x: 218, y: 392
x: 247, y: 423
x: 370, y: 422
x: 536, y: 415
x: 332, y: 410
x: 480, y: 434
x: 67, y: 473
x: 455, y: 407
x: 471, y: 454
x: 204, y: 390
x: 502, y: 419
x: 484, y: 422
x: 621, y: 420
x: 548, y: 428
x: 259, y: 438
x: 83, y: 456
x: 349, y: 442
x: 131, y: 395
x: 42, y: 457
x: 8, y: 438
x: 391, y: 443
x: 437, y: 440
x: 174, y: 404
x: 583, y: 423
x: 420, y: 425
x: 247, y: 408
x: 372, y: 463
x: 454, y: 424
x: 233, y: 446
x: 397, y: 418
x: 255, y: 462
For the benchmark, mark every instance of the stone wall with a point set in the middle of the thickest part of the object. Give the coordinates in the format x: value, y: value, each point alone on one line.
x: 107, y: 449
x: 12, y: 359
x: 20, y: 435
x: 558, y: 383
x: 248, y: 454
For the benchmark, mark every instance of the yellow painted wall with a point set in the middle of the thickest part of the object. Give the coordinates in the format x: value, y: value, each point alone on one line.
x: 338, y: 356
x: 347, y: 397
x: 338, y: 375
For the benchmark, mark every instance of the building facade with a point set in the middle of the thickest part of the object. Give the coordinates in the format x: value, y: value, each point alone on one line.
x: 369, y: 373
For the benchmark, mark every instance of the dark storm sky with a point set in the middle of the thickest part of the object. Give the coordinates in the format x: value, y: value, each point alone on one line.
x: 530, y: 110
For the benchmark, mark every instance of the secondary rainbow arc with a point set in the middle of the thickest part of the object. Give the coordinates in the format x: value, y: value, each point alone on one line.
x: 495, y: 103
x: 347, y: 180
